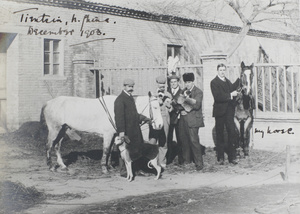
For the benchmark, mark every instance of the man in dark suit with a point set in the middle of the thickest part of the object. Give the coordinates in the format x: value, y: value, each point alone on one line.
x: 175, y: 91
x: 190, y: 122
x: 223, y: 110
x: 128, y: 121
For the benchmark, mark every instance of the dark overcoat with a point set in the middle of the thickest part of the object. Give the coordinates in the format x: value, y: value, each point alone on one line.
x: 195, y: 116
x: 221, y: 92
x: 128, y: 121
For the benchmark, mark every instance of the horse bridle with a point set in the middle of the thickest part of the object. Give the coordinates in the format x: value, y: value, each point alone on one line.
x: 241, y: 88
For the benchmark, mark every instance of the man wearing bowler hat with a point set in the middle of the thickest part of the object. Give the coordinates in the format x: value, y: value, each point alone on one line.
x: 128, y: 121
x: 190, y: 121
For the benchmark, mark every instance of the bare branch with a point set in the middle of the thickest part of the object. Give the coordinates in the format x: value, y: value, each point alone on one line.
x: 270, y: 19
x: 237, y: 9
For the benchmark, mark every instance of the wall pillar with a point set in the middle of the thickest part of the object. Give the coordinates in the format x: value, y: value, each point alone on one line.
x: 210, y: 61
x: 84, y: 79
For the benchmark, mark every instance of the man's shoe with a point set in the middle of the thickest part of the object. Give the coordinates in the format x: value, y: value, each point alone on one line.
x: 123, y: 174
x: 234, y: 162
x: 203, y: 149
x: 199, y: 168
x: 221, y: 162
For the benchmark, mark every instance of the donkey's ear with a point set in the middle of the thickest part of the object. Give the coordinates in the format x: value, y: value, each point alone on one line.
x: 251, y: 66
x: 243, y: 64
x: 149, y: 94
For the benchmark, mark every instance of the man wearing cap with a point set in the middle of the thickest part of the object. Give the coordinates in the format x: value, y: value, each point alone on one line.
x: 128, y: 121
x: 175, y: 91
x: 160, y: 136
x: 190, y: 122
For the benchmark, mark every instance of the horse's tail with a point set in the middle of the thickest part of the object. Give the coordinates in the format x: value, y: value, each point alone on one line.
x: 43, y: 124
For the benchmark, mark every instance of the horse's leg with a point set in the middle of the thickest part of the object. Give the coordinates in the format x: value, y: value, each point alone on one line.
x: 247, y: 128
x: 51, y: 137
x: 49, y: 148
x: 237, y: 125
x: 107, y: 138
x: 238, y: 128
x: 58, y: 154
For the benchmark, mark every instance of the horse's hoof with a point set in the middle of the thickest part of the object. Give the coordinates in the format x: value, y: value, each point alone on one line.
x: 104, y: 170
x: 64, y: 169
x: 52, y: 168
x: 49, y: 162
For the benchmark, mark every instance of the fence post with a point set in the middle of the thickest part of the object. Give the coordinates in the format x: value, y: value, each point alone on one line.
x: 287, y: 164
x: 210, y: 62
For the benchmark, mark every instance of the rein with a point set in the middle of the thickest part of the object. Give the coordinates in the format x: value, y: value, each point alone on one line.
x: 150, y: 111
x: 107, y: 112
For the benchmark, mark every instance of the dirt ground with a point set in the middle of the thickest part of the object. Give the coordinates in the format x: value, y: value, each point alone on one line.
x: 255, y: 185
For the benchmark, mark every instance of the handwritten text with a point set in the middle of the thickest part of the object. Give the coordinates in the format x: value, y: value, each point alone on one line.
x: 274, y: 131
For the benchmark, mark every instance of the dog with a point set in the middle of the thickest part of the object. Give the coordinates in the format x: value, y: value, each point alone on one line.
x: 122, y: 143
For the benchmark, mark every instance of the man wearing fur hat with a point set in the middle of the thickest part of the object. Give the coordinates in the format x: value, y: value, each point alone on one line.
x: 175, y: 91
x: 160, y: 136
x: 191, y: 119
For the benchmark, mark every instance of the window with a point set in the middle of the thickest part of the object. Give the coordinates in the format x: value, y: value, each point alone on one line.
x: 173, y: 51
x: 52, y: 57
x: 173, y: 58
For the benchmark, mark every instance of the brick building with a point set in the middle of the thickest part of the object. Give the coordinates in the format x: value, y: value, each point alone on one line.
x: 78, y: 48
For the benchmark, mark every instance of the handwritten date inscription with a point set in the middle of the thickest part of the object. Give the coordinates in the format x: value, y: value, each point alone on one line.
x: 88, y: 25
x: 274, y: 131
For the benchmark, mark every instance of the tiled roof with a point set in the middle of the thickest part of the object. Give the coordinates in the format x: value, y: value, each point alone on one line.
x: 216, y: 11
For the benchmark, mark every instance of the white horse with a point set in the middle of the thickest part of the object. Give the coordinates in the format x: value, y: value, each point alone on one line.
x: 90, y: 115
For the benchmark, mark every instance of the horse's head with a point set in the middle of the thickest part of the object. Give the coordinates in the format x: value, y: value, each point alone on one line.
x: 246, y: 78
x: 155, y: 112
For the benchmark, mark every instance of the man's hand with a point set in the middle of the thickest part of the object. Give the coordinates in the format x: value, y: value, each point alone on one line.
x: 233, y: 94
x: 121, y: 134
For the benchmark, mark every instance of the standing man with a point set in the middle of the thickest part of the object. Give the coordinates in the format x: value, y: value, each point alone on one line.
x: 160, y: 136
x: 175, y: 91
x: 190, y: 122
x: 223, y: 92
x: 128, y: 121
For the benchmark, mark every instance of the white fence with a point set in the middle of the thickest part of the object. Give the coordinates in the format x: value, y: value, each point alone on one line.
x: 276, y: 89
x: 276, y: 86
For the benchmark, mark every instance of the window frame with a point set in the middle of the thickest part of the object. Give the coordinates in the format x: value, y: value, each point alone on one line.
x: 51, y: 53
x: 173, y: 47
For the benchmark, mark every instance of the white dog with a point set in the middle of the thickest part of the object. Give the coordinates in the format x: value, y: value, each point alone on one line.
x: 121, y: 143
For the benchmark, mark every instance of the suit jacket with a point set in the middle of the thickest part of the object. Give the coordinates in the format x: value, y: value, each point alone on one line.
x: 176, y: 107
x: 221, y: 92
x: 195, y: 116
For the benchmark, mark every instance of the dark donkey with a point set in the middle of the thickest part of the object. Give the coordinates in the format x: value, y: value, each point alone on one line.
x: 243, y: 117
